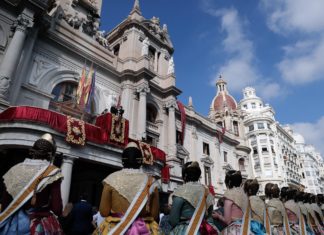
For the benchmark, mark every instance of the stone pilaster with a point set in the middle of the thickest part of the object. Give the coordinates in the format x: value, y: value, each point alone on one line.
x: 172, y: 149
x: 142, y: 89
x: 12, y: 56
x: 66, y: 169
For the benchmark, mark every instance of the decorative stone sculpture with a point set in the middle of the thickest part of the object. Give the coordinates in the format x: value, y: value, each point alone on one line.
x: 100, y: 37
x: 171, y: 66
x: 145, y: 47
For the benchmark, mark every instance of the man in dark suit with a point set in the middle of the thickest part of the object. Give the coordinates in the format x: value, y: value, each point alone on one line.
x: 81, y: 217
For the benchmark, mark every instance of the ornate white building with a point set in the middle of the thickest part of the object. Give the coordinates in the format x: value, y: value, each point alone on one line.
x: 273, y: 156
x: 311, y: 166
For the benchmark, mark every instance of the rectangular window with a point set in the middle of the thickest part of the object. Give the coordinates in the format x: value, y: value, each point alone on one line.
x: 251, y: 127
x: 205, y: 148
x: 255, y: 151
x: 178, y: 137
x: 235, y: 127
x: 260, y: 125
x: 225, y: 156
x: 308, y: 173
x: 207, y: 175
x: 264, y: 150
x: 253, y: 106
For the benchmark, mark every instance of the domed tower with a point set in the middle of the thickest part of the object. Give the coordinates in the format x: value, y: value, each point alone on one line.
x: 223, y: 109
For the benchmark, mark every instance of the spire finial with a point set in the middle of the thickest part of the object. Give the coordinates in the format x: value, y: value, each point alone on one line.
x: 136, y: 8
x: 136, y: 13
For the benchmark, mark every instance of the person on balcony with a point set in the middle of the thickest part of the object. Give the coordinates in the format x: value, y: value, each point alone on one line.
x: 130, y: 198
x: 32, y: 198
x: 190, y: 203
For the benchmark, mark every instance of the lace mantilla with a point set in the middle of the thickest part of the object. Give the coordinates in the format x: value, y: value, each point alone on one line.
x: 127, y: 182
x: 238, y: 196
x: 276, y: 211
x: 192, y: 192
x: 257, y: 206
x: 293, y: 207
x: 302, y: 208
x: 21, y: 174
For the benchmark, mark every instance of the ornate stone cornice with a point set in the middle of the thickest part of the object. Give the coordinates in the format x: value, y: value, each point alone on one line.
x: 143, y: 88
x: 170, y: 104
x: 22, y: 22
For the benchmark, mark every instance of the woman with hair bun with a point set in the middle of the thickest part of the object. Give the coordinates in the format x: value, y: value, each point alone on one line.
x: 295, y: 218
x: 251, y: 188
x: 275, y: 209
x: 129, y: 199
x: 319, y: 218
x: 190, y: 203
x: 236, y: 206
x: 313, y: 223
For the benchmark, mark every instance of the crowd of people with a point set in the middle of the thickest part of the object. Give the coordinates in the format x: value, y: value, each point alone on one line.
x: 32, y: 204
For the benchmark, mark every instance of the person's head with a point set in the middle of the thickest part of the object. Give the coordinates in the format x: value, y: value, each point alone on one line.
x: 251, y: 187
x: 191, y: 171
x: 307, y: 198
x: 233, y: 179
x: 166, y: 209
x: 299, y: 197
x: 283, y: 194
x: 312, y: 198
x: 272, y: 190
x: 43, y: 148
x: 132, y: 156
x: 320, y: 199
x: 291, y: 193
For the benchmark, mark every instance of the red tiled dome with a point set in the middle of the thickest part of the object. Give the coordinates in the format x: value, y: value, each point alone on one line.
x: 224, y: 100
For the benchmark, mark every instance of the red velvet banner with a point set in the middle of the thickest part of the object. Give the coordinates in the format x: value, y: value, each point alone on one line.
x: 165, y: 174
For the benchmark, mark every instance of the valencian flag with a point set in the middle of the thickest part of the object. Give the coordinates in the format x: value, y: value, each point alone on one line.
x: 81, y: 85
x: 87, y: 87
x: 92, y: 91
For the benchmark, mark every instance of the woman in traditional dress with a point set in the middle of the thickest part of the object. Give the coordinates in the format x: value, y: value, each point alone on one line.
x: 32, y: 199
x: 251, y: 188
x: 296, y: 220
x: 300, y: 199
x: 318, y: 214
x: 275, y: 209
x: 320, y: 202
x: 236, y: 206
x: 130, y: 198
x: 313, y: 223
x: 192, y: 205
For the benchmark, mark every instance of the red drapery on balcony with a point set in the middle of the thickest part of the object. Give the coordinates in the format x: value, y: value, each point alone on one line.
x: 99, y: 133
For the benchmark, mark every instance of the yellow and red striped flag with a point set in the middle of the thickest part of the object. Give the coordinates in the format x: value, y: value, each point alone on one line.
x: 81, y: 85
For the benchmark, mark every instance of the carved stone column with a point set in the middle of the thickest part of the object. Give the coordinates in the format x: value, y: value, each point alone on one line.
x: 66, y: 169
x: 13, y: 54
x: 172, y: 149
x: 142, y: 89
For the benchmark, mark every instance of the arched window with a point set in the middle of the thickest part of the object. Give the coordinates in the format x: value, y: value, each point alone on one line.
x: 151, y: 113
x: 64, y: 91
x: 241, y: 163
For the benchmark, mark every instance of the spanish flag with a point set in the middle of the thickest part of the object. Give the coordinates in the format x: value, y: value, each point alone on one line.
x: 81, y: 85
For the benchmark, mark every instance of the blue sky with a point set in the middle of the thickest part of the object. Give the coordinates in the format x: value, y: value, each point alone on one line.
x: 274, y: 46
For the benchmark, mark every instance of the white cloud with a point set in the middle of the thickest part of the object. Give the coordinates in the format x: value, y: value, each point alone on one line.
x: 238, y: 70
x: 294, y: 15
x: 270, y: 90
x: 312, y: 132
x: 303, y: 62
